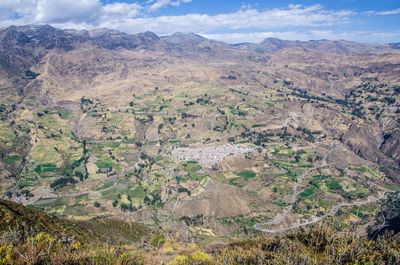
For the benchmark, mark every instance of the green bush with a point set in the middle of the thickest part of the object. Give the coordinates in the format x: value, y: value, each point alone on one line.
x: 157, y: 240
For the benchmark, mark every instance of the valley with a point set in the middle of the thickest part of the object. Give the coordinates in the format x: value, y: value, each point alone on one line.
x: 194, y: 136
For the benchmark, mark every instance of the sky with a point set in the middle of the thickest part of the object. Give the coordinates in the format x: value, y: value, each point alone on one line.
x: 233, y: 21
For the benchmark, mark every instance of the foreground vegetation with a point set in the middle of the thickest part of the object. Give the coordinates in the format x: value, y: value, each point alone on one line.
x: 32, y: 237
x: 318, y: 245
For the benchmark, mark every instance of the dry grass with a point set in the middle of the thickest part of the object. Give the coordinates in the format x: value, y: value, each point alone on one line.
x: 315, y: 245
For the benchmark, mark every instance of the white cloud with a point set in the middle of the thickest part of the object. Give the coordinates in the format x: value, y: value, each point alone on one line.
x: 390, y: 12
x: 159, y: 4
x: 395, y: 34
x: 9, y: 8
x: 256, y: 37
x: 297, y: 16
x: 133, y: 18
x: 120, y: 11
x: 383, y: 13
x: 178, y: 3
x: 162, y: 3
x: 294, y: 6
x: 60, y: 11
x: 77, y: 14
x: 48, y: 11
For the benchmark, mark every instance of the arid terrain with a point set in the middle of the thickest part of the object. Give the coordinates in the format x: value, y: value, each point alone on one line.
x: 197, y: 136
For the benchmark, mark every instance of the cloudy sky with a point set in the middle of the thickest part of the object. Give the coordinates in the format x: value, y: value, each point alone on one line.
x: 231, y: 21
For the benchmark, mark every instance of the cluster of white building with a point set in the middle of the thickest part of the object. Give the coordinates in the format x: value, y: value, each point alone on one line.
x: 210, y: 155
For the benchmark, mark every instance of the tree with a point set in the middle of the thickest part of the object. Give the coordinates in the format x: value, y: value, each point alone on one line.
x: 79, y: 175
x: 124, y: 207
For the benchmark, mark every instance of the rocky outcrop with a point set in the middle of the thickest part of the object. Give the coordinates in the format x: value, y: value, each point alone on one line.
x: 391, y: 145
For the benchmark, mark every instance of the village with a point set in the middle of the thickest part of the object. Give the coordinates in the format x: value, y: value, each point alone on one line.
x: 210, y: 155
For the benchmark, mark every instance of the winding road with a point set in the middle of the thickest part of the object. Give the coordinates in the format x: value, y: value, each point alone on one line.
x: 315, y: 219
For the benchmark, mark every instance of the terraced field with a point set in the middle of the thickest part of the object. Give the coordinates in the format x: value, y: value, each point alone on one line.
x: 162, y: 156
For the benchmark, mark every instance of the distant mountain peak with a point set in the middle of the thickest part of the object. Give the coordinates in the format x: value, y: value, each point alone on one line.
x: 48, y: 37
x: 185, y: 38
x: 272, y: 44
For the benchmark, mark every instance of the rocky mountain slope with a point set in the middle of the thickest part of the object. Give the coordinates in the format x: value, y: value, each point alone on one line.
x: 30, y: 236
x: 271, y: 45
x: 20, y: 222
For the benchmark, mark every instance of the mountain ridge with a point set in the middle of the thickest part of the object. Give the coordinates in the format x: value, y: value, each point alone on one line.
x: 267, y: 45
x: 20, y: 219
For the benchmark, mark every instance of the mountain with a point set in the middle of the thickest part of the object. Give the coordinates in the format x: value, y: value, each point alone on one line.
x: 194, y: 135
x: 24, y: 221
x: 271, y: 45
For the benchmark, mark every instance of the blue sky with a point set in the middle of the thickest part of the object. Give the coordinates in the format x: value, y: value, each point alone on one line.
x: 230, y: 21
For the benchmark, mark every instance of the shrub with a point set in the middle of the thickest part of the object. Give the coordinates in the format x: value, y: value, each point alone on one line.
x: 200, y: 256
x: 38, y: 248
x: 179, y: 260
x: 157, y: 240
x: 62, y: 182
x: 5, y: 253
x: 169, y: 249
x: 182, y: 189
x: 77, y: 245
